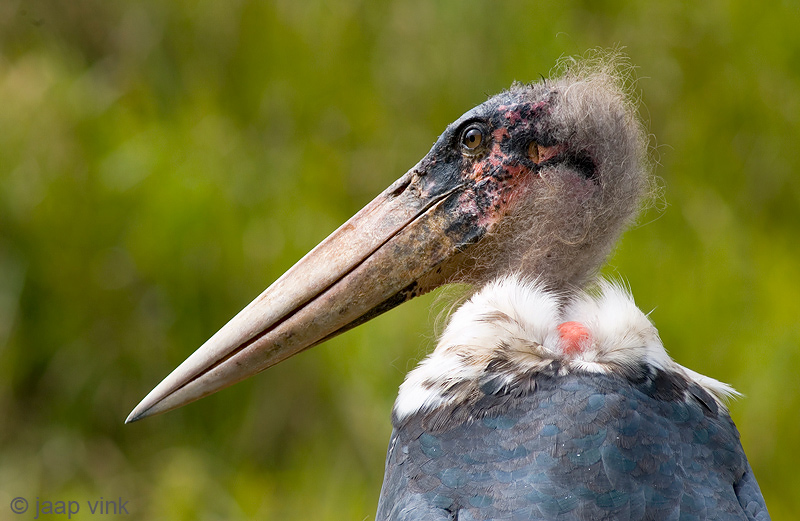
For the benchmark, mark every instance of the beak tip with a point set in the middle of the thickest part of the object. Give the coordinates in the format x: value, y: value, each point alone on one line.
x: 137, y: 414
x: 151, y: 405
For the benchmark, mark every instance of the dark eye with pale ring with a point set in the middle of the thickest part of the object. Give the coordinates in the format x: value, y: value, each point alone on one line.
x: 472, y: 139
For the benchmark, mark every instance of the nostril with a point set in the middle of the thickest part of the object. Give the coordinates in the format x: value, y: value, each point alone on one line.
x: 400, y: 186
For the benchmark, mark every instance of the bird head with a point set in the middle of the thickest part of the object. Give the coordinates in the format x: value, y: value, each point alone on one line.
x: 540, y: 179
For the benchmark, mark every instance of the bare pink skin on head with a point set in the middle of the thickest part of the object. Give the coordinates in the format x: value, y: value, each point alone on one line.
x: 502, y: 175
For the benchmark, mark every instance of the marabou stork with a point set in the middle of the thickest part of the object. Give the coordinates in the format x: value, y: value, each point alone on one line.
x: 542, y: 399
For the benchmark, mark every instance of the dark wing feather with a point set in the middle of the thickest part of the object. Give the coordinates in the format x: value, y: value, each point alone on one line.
x: 579, y: 447
x: 749, y: 494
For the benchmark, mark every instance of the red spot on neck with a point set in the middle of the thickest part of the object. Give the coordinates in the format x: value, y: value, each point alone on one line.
x: 574, y: 336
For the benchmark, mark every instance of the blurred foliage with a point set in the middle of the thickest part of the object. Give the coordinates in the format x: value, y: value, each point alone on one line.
x: 162, y: 162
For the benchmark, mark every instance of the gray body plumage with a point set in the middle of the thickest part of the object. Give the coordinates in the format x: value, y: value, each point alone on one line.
x: 515, y: 417
x: 575, y: 447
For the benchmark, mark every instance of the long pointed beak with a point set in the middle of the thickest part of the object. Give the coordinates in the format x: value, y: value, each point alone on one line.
x: 395, y: 248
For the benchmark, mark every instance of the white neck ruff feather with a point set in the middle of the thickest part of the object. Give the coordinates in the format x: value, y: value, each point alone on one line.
x: 523, y: 318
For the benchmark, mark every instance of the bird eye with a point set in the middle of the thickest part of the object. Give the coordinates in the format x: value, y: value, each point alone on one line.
x: 533, y: 152
x: 472, y: 138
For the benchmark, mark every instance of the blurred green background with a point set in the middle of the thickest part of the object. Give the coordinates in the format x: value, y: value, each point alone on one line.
x: 163, y: 162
